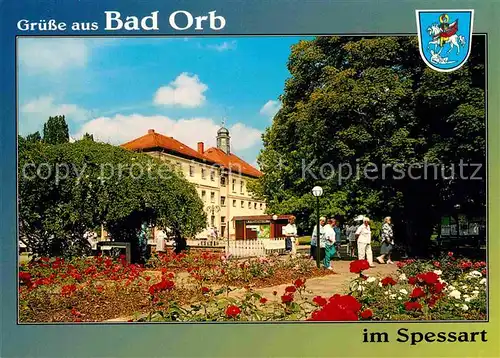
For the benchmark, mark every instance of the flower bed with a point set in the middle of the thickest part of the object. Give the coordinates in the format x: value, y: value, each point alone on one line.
x: 199, y: 288
x: 98, y: 288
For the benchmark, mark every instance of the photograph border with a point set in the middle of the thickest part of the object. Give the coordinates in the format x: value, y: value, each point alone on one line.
x: 227, y: 36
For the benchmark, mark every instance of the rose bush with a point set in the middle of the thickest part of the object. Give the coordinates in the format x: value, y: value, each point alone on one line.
x: 199, y: 287
x: 101, y: 288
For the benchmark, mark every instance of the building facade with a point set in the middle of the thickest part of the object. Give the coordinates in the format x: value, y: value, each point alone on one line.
x: 220, y: 177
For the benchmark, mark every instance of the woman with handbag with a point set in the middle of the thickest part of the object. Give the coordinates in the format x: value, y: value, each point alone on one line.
x: 387, y: 242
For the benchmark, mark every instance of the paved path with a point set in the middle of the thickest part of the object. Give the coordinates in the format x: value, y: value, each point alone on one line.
x: 329, y: 285
x: 325, y: 286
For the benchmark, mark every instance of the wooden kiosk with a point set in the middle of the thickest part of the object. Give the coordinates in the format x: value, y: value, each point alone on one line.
x: 259, y: 226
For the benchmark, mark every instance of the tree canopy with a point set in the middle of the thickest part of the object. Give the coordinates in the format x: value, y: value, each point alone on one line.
x: 66, y: 190
x: 371, y: 102
x: 55, y: 130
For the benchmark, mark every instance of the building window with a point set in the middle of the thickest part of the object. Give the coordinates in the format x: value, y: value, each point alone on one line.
x: 223, y: 181
x: 203, y: 173
x: 234, y: 203
x: 179, y: 166
x: 212, y: 175
x: 260, y: 206
x: 212, y: 197
x: 222, y: 219
x: 242, y: 204
x: 222, y: 201
x: 203, y: 194
x: 249, y: 205
x: 191, y: 170
x: 212, y: 220
x: 255, y: 206
x: 234, y: 185
x: 242, y: 186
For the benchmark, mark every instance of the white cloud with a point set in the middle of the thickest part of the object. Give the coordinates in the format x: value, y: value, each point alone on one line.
x: 224, y: 46
x: 52, y: 55
x: 184, y: 91
x: 36, y: 112
x: 123, y: 128
x: 270, y: 108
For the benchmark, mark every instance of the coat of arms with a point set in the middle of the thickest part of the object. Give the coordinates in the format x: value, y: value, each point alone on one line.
x: 445, y: 37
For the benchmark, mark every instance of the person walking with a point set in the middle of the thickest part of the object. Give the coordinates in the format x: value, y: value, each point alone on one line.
x: 338, y: 237
x: 364, y: 239
x: 387, y: 242
x: 351, y: 236
x: 318, y: 241
x: 290, y: 233
x: 329, y: 244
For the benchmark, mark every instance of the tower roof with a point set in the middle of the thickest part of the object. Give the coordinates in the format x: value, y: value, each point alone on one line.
x: 223, y: 130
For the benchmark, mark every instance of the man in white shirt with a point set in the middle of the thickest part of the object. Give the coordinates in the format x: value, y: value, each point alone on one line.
x: 364, y: 238
x: 290, y: 233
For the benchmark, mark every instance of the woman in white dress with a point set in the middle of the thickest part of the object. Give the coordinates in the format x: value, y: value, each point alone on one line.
x: 290, y: 233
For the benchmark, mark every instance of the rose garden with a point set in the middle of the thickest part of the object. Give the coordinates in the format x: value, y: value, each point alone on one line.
x: 206, y: 286
x: 349, y: 102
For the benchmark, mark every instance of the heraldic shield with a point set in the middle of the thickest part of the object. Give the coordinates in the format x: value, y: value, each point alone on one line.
x: 444, y: 37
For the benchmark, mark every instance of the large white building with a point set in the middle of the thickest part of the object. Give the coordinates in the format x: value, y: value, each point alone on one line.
x: 220, y: 177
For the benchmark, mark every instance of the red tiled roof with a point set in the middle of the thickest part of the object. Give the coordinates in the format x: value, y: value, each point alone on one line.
x: 231, y: 162
x: 260, y: 217
x: 154, y: 140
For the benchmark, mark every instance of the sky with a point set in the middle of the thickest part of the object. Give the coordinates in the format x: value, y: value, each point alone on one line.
x: 117, y: 89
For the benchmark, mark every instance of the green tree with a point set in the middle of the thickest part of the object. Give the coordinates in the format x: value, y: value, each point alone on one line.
x: 355, y: 102
x: 67, y: 190
x: 88, y: 136
x: 55, y: 130
x: 34, y: 137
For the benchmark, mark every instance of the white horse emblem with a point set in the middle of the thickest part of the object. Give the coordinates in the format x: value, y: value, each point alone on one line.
x: 439, y: 38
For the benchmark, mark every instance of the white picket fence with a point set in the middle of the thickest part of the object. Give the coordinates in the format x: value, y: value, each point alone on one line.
x: 240, y: 248
x: 255, y: 248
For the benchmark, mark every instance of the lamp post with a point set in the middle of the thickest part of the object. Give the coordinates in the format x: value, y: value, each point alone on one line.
x: 317, y: 191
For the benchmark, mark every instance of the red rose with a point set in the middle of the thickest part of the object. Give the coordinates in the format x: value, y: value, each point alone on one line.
x: 232, y: 311
x: 338, y: 308
x: 450, y: 254
x: 484, y: 272
x: 431, y: 302
x: 363, y: 277
x: 388, y: 281
x: 67, y: 290
x: 263, y: 300
x: 299, y: 283
x: 430, y: 278
x: 290, y: 289
x: 413, y: 306
x: 465, y: 265
x: 400, y: 264
x: 74, y: 312
x: 24, y: 276
x: 320, y: 301
x: 357, y: 266
x: 205, y: 290
x: 438, y: 287
x: 286, y: 298
x: 437, y: 264
x: 147, y: 278
x: 99, y: 288
x: 366, y: 314
x: 417, y: 292
x: 412, y: 280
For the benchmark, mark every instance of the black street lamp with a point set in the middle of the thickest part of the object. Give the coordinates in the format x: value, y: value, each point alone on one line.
x: 317, y: 191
